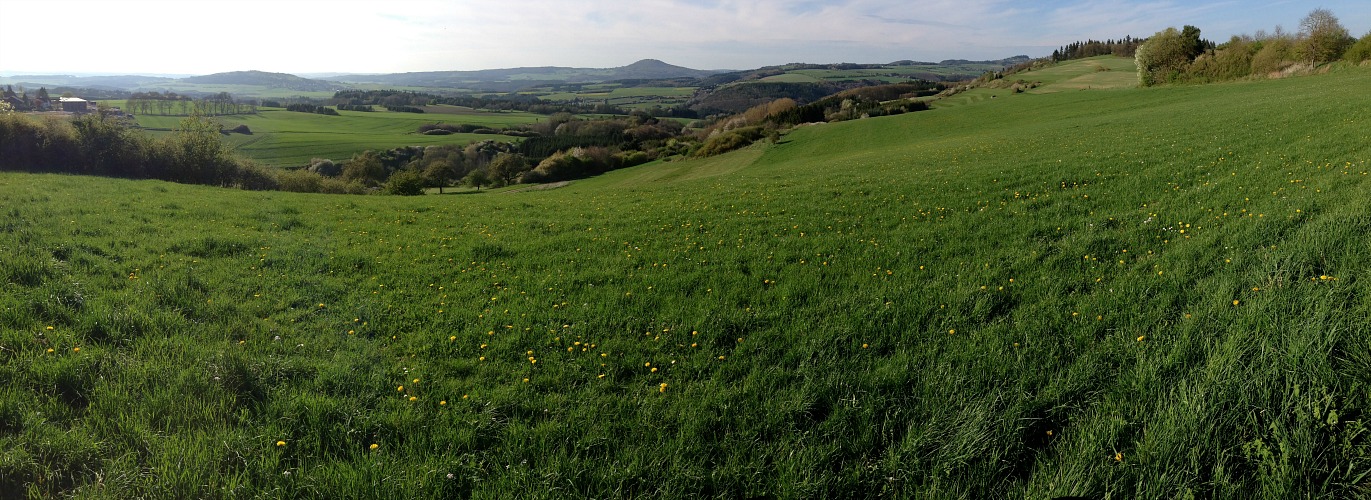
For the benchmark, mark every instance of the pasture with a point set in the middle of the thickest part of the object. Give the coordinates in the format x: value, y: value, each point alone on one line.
x: 1128, y: 293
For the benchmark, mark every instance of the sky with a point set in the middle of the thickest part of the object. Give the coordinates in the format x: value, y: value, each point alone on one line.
x: 391, y: 36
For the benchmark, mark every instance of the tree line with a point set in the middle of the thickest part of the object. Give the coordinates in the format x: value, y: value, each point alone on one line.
x: 1125, y: 47
x: 102, y: 144
x: 1176, y: 56
x: 173, y: 104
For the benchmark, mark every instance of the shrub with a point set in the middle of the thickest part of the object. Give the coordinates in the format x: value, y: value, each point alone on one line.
x: 300, y: 181
x: 1360, y: 51
x: 1275, y: 55
x: 405, y: 183
x: 731, y: 140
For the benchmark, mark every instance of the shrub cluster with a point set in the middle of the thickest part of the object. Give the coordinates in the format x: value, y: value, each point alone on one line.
x: 99, y: 144
x: 1172, y: 56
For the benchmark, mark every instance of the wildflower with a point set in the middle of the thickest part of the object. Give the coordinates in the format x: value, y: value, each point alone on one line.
x: 525, y: 380
x: 76, y: 349
x: 442, y: 403
x: 952, y: 332
x: 413, y: 398
x: 1235, y: 302
x: 662, y: 388
x: 400, y: 389
x: 374, y: 446
x: 864, y: 346
x: 280, y: 443
x: 1118, y: 456
x: 1141, y: 337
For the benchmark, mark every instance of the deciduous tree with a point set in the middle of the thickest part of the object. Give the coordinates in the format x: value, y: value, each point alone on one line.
x: 1324, y: 37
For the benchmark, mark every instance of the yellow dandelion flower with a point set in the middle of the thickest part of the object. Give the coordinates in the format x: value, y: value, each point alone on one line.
x: 864, y: 346
x: 662, y: 388
x: 400, y: 388
x: 280, y: 443
x: 76, y: 349
x: 1141, y: 338
x: 1235, y: 302
x: 952, y: 332
x: 1118, y: 456
x: 442, y: 403
x: 413, y: 398
x: 525, y: 380
x: 374, y: 446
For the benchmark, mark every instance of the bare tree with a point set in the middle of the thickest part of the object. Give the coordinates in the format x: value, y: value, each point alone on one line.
x: 1324, y: 37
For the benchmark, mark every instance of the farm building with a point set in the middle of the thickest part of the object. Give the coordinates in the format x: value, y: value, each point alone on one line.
x: 75, y: 104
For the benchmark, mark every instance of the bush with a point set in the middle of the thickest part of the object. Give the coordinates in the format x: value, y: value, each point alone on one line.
x: 299, y: 181
x: 1360, y: 51
x: 1275, y: 55
x: 405, y: 183
x: 731, y: 140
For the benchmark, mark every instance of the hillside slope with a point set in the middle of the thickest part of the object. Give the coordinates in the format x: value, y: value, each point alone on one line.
x: 1128, y: 293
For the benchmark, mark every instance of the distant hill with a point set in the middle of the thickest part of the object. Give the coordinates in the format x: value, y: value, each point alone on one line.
x: 652, y: 69
x: 509, y: 79
x: 264, y: 79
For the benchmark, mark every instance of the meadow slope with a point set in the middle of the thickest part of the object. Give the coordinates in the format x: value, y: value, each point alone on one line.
x: 1112, y: 293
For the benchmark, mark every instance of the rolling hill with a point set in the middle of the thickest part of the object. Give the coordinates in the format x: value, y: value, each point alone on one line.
x: 1094, y: 293
x: 263, y: 79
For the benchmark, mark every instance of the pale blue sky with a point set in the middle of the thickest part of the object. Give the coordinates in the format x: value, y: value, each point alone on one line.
x: 307, y: 36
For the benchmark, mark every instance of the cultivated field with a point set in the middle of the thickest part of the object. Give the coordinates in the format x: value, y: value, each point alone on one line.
x: 1143, y: 293
x: 288, y: 138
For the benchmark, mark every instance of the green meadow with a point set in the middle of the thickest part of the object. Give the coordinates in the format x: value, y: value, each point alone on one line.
x: 1127, y: 293
x: 288, y: 138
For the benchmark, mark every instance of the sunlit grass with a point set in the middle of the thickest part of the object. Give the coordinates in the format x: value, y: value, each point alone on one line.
x: 1134, y: 293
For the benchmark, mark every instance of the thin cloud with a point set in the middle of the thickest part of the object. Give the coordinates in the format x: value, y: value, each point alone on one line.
x: 431, y: 35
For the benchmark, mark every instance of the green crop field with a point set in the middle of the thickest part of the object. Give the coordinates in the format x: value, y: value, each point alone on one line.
x: 1142, y: 293
x: 628, y: 97
x: 288, y: 138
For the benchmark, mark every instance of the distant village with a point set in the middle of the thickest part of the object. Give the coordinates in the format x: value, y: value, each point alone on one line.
x: 41, y: 102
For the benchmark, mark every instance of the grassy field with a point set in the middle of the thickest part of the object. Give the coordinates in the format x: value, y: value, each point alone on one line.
x: 287, y: 138
x: 1136, y: 293
x: 618, y: 95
